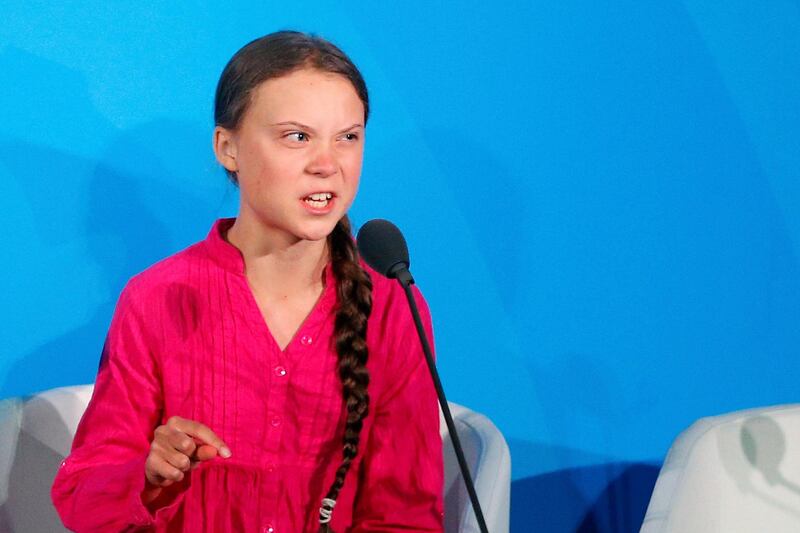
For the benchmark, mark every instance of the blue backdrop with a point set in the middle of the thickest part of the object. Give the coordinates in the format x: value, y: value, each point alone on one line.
x: 602, y: 203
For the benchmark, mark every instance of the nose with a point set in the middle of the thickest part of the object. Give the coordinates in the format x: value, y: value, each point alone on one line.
x: 323, y: 162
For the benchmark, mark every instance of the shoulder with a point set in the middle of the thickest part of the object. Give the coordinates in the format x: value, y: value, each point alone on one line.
x: 395, y: 350
x: 178, y: 270
x: 391, y: 322
x: 389, y: 301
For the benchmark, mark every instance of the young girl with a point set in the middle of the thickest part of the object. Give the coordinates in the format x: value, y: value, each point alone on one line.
x: 264, y: 379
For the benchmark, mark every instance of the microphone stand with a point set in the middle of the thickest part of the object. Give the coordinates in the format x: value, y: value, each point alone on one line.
x: 402, y: 274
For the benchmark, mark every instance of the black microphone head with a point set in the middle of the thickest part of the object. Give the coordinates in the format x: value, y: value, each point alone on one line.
x: 383, y: 247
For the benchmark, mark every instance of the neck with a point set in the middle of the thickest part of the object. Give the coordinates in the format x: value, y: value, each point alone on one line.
x: 276, y: 262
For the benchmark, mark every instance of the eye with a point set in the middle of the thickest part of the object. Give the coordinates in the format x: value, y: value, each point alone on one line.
x: 352, y: 137
x: 298, y: 136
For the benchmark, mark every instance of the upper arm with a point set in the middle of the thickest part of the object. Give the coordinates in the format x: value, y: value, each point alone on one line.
x: 127, y: 401
x: 99, y: 484
x: 401, y: 475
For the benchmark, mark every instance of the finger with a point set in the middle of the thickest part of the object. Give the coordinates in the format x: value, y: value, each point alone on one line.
x: 170, y: 438
x: 180, y: 441
x: 159, y: 481
x: 178, y: 459
x: 205, y: 452
x: 204, y: 433
x: 165, y: 473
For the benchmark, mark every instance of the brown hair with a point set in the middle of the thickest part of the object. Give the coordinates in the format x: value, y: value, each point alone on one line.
x: 272, y: 56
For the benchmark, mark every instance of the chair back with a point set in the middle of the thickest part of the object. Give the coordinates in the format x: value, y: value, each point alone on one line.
x: 734, y: 473
x: 489, y: 463
x: 35, y: 436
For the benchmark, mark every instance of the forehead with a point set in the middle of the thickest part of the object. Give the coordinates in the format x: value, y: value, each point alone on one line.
x: 309, y: 93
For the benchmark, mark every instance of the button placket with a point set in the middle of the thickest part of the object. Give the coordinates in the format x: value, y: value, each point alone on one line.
x: 278, y: 393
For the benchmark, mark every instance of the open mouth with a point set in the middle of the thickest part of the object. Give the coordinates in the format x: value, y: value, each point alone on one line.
x: 318, y: 200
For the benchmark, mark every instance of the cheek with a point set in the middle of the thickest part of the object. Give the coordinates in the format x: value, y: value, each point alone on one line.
x: 270, y: 167
x: 351, y: 165
x: 265, y: 179
x: 249, y: 163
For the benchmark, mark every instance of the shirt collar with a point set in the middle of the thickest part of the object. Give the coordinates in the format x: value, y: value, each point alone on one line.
x: 221, y: 251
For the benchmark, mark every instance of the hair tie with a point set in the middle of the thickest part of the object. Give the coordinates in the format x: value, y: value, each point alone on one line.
x: 326, y: 510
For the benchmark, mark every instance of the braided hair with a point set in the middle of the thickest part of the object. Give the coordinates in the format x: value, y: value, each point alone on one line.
x: 273, y: 56
x: 354, y: 289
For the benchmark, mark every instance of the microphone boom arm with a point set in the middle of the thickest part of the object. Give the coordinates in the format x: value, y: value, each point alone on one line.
x: 405, y: 279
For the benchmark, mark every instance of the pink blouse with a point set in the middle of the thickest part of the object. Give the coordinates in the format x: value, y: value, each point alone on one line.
x: 188, y: 339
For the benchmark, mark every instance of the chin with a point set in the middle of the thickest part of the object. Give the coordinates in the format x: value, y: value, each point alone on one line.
x: 316, y: 233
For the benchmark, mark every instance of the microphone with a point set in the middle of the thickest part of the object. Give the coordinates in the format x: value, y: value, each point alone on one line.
x: 383, y: 247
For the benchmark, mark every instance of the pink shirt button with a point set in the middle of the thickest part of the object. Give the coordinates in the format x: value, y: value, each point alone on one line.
x: 306, y: 340
x: 275, y: 421
x: 268, y: 529
x: 280, y: 371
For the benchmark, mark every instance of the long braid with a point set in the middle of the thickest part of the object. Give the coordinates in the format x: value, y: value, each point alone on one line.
x: 270, y: 57
x: 354, y: 289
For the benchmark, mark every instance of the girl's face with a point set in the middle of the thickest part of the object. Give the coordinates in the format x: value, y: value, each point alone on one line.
x: 297, y: 152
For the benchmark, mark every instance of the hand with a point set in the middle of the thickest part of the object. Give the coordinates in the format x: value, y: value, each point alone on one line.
x: 178, y: 446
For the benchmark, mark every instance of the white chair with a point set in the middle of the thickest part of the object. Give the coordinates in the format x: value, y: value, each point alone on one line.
x: 489, y: 462
x: 36, y: 434
x: 734, y: 473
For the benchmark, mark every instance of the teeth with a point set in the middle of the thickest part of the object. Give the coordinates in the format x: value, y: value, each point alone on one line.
x: 318, y: 199
x: 321, y: 196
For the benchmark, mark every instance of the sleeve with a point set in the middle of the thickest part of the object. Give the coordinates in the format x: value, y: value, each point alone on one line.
x: 99, y: 485
x: 402, y: 473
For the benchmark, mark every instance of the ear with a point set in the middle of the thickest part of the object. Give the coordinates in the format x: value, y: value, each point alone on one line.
x: 225, y: 148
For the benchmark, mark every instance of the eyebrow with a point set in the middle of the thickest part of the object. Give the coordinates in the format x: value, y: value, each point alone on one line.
x: 309, y: 128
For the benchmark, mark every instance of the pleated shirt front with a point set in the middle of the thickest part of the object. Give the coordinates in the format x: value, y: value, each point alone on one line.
x: 187, y: 338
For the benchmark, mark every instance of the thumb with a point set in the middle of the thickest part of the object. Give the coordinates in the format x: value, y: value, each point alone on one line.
x: 205, y: 452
